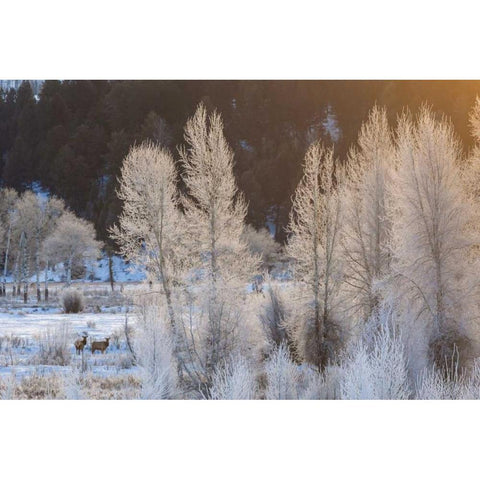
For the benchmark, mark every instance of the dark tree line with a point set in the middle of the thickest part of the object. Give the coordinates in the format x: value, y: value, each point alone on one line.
x: 73, y: 136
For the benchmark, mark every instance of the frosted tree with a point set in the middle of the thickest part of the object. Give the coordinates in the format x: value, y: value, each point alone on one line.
x: 72, y: 242
x: 8, y: 201
x: 151, y: 229
x: 23, y: 232
x: 52, y: 210
x: 314, y: 245
x: 474, y: 120
x: 433, y: 240
x: 215, y: 214
x: 36, y: 219
x: 471, y: 168
x: 367, y: 231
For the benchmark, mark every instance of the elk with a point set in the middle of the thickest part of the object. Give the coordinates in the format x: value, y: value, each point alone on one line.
x: 102, y: 346
x: 79, y: 344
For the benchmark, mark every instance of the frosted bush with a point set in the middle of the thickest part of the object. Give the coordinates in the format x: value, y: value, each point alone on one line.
x: 379, y: 373
x: 55, y: 345
x: 449, y: 382
x: 261, y: 243
x: 312, y: 385
x: 273, y: 317
x: 72, y: 385
x: 154, y: 354
x: 234, y: 381
x: 72, y: 301
x: 283, y: 375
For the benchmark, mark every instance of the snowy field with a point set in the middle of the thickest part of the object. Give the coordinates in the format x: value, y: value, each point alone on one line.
x: 29, y: 322
x: 32, y: 335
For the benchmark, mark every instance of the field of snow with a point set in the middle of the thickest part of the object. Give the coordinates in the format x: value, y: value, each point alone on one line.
x: 26, y: 331
x: 27, y: 323
x: 123, y: 272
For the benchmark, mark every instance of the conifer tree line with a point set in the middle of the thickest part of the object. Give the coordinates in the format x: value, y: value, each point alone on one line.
x: 383, y: 252
x: 72, y: 136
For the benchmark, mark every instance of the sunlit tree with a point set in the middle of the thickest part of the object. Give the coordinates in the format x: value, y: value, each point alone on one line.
x: 433, y: 239
x: 314, y: 245
x: 367, y: 231
x: 215, y: 214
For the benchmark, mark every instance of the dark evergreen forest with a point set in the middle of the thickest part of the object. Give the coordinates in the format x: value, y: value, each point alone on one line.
x: 73, y: 135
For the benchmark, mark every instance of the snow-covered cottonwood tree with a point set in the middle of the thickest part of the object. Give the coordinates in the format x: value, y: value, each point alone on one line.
x: 8, y: 200
x: 471, y: 167
x: 215, y: 214
x: 36, y: 219
x: 151, y: 227
x: 367, y: 229
x: 432, y: 240
x: 72, y: 242
x: 314, y: 245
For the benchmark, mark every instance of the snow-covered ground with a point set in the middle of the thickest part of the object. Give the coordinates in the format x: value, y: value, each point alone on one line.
x: 28, y: 322
x: 23, y: 328
x: 123, y: 272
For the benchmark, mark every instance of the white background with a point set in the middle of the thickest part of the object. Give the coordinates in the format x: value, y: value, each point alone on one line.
x: 240, y: 40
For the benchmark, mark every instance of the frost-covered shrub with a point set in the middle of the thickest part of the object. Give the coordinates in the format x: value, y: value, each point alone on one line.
x: 154, y: 354
x: 55, y: 346
x: 449, y: 382
x: 113, y: 387
x: 72, y: 301
x: 260, y: 242
x: 432, y: 385
x: 379, y: 373
x: 283, y: 376
x: 312, y: 384
x: 72, y: 385
x: 214, y: 330
x: 235, y: 380
x: 273, y: 318
x: 7, y: 387
x: 116, y: 338
x: 124, y: 361
x: 38, y: 387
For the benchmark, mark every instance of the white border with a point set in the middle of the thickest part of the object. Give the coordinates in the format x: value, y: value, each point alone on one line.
x: 248, y: 39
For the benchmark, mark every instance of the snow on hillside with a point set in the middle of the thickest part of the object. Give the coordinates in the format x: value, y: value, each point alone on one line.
x: 15, y: 84
x: 122, y: 271
x: 330, y: 125
x: 98, y: 272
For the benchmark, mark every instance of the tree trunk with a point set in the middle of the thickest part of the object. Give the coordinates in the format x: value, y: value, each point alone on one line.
x: 37, y: 269
x: 46, y: 283
x: 110, y: 271
x: 5, y: 266
x: 69, y: 272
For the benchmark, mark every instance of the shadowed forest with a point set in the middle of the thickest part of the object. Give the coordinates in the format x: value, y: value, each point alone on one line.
x: 72, y: 136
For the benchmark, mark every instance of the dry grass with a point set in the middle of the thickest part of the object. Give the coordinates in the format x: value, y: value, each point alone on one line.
x: 51, y: 387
